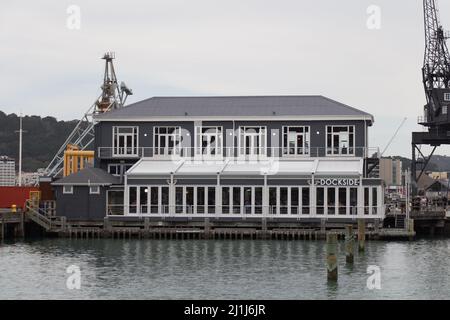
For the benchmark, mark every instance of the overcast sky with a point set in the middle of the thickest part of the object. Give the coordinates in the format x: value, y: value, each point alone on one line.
x: 219, y: 47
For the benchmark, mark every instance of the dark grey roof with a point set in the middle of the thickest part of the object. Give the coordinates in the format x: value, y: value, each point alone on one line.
x: 244, y: 106
x: 88, y: 176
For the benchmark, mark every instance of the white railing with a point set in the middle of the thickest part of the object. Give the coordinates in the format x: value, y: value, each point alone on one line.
x: 235, y: 152
x: 243, y: 211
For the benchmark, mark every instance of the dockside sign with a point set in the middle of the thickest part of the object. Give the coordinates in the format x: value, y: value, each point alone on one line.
x: 337, y: 182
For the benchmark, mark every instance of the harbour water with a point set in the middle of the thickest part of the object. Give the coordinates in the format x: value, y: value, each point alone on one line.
x: 208, y: 269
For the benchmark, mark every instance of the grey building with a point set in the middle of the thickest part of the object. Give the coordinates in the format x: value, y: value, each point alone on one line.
x: 297, y: 157
x: 83, y: 195
x: 7, y: 171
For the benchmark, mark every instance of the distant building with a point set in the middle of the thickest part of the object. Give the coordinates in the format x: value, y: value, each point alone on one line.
x: 7, y: 171
x: 438, y: 175
x: 438, y: 189
x: 391, y: 171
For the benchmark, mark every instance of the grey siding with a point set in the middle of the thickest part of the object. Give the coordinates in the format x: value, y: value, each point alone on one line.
x: 81, y: 205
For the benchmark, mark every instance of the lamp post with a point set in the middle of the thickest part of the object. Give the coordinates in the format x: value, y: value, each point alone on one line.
x: 20, y: 131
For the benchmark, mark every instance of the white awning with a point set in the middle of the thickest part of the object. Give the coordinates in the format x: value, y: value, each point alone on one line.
x: 232, y: 167
x: 201, y: 167
x: 339, y: 167
x: 154, y: 167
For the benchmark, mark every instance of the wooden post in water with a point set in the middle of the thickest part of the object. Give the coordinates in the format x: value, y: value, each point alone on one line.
x: 332, y: 268
x: 349, y: 244
x: 206, y: 228
x: 3, y: 229
x: 361, y: 234
x: 410, y: 223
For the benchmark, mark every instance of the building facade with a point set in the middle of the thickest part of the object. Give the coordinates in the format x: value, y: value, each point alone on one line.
x: 282, y: 157
x: 391, y: 171
x: 7, y: 171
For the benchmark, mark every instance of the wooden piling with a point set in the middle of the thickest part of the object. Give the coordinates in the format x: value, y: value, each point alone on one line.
x: 332, y: 267
x: 361, y: 234
x: 349, y: 244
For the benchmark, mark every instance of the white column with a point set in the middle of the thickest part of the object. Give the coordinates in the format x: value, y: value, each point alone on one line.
x: 171, y: 195
x: 312, y: 197
x: 288, y: 200
x: 347, y: 200
x: 300, y: 200
x: 126, y: 197
x: 265, y: 197
x: 360, y: 210
x: 218, y: 196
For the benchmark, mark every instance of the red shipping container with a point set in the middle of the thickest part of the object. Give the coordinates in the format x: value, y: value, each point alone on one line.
x: 15, y: 195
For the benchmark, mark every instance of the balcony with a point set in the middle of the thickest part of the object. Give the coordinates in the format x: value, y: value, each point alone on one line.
x: 236, y: 152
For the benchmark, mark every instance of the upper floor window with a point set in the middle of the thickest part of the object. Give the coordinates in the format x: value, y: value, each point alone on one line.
x: 117, y: 169
x: 167, y: 140
x: 295, y: 140
x: 208, y: 141
x: 252, y: 140
x: 125, y: 141
x: 340, y: 140
x: 447, y: 96
x: 94, y: 190
x: 68, y: 189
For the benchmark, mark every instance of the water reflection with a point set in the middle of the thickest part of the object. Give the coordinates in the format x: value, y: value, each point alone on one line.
x: 222, y: 269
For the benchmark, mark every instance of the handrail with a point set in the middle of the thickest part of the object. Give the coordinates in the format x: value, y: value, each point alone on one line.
x: 230, y: 152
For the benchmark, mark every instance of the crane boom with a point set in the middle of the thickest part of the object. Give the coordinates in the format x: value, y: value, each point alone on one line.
x: 113, y: 97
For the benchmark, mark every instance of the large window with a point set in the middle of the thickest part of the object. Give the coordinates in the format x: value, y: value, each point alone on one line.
x: 247, y: 200
x: 252, y: 141
x: 289, y: 200
x: 167, y: 140
x: 295, y: 140
x: 125, y: 141
x: 208, y: 141
x: 446, y: 96
x: 340, y: 140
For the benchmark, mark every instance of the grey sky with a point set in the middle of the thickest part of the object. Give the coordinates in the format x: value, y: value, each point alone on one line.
x: 219, y: 47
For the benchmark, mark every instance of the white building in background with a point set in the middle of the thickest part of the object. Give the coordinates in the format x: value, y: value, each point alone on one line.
x: 7, y: 171
x: 391, y: 172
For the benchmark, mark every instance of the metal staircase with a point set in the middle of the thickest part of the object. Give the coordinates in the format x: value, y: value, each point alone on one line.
x: 38, y: 216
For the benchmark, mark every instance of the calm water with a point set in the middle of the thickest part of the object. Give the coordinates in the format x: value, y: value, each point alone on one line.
x: 196, y: 269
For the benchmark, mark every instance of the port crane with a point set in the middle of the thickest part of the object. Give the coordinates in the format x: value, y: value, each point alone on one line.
x: 81, y: 138
x: 436, y: 82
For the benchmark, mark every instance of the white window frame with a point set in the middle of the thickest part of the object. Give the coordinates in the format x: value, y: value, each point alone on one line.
x: 306, y: 141
x: 117, y: 152
x: 340, y: 154
x: 65, y: 191
x: 444, y: 109
x: 121, y: 168
x: 447, y: 96
x: 176, y: 136
x: 117, y: 165
x: 198, y: 142
x: 262, y: 140
x: 94, y: 192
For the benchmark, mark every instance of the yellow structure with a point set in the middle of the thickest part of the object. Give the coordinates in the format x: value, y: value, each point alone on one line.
x: 76, y: 160
x: 35, y: 198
